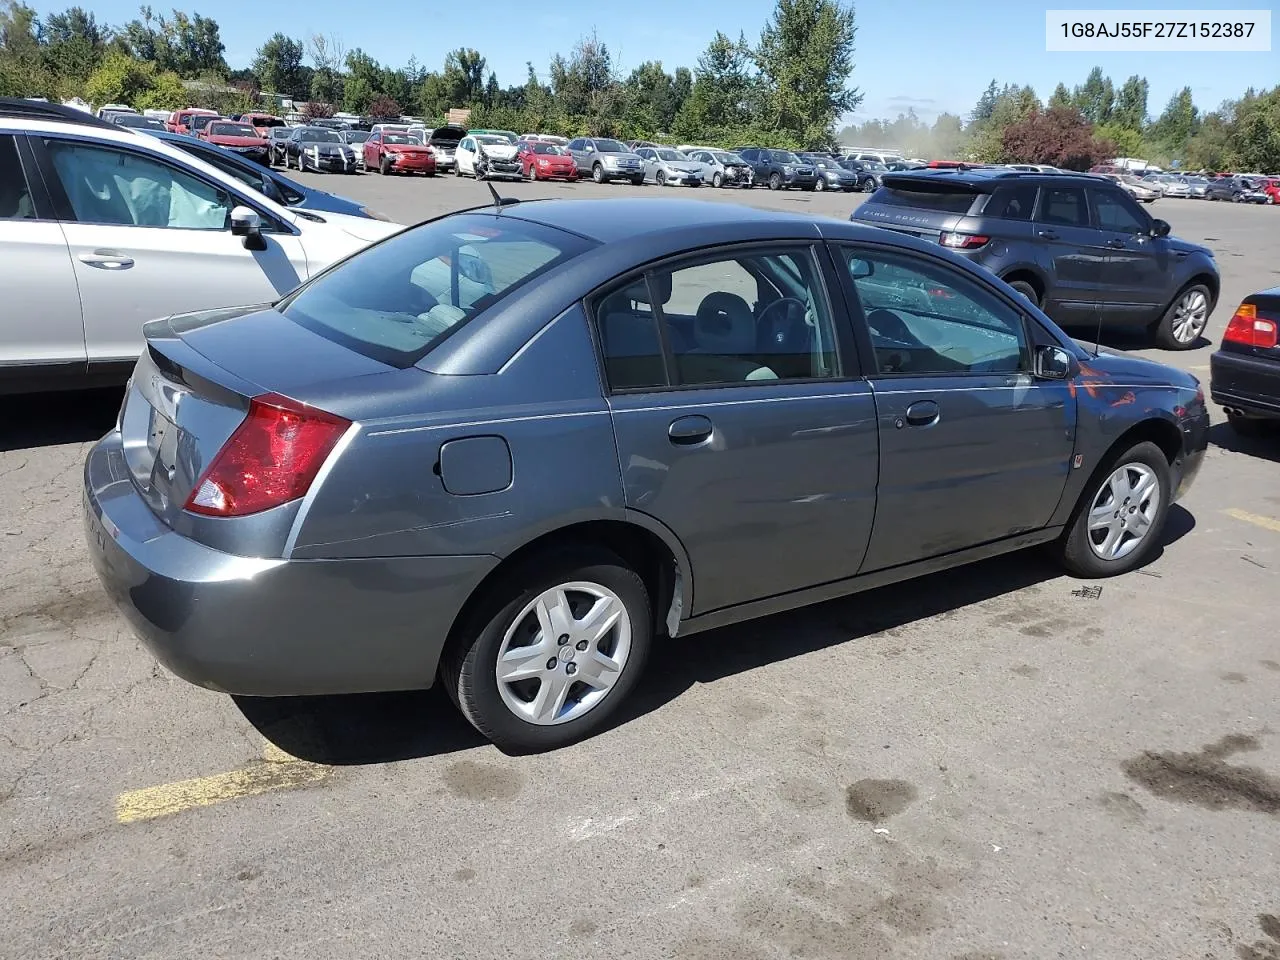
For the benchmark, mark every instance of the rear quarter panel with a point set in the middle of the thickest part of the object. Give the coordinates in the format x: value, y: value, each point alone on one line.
x: 385, y: 495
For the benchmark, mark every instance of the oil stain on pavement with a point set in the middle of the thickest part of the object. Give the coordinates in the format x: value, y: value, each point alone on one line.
x: 1206, y: 780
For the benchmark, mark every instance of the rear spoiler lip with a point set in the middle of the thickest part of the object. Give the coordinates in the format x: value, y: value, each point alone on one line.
x: 180, y: 361
x: 933, y: 184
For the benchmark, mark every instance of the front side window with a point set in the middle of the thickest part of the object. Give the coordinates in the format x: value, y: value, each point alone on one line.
x: 927, y: 319
x: 109, y: 186
x: 751, y: 317
x: 396, y: 300
x: 15, y: 197
x: 1064, y: 206
x: 1114, y: 215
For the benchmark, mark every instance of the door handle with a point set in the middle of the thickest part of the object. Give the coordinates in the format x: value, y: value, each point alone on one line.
x: 1116, y: 244
x: 687, y: 431
x: 1046, y: 234
x: 106, y: 260
x: 923, y: 413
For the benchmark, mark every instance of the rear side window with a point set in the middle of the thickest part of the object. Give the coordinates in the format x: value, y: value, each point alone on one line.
x: 939, y: 201
x: 15, y: 198
x: 398, y: 299
x: 1065, y: 206
x: 1014, y: 202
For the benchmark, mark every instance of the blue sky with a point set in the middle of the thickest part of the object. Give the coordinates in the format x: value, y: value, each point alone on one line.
x: 931, y: 55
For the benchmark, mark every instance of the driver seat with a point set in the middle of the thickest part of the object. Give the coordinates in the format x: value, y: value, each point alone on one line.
x: 724, y: 334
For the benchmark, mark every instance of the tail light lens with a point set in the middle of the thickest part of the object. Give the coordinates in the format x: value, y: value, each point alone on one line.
x: 963, y: 241
x: 1250, y: 330
x: 273, y: 457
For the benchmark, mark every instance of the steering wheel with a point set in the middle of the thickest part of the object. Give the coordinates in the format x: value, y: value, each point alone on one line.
x: 789, y: 310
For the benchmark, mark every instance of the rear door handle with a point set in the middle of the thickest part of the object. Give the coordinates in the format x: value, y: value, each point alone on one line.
x: 923, y: 413
x: 1046, y: 235
x: 686, y: 431
x: 106, y: 260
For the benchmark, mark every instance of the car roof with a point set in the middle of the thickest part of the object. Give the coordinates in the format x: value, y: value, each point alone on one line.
x: 619, y: 219
x: 982, y: 178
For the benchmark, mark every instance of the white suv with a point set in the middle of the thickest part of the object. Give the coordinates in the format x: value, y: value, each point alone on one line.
x: 103, y: 229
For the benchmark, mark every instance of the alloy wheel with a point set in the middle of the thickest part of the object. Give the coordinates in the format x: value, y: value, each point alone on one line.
x: 1190, y: 316
x: 563, y: 653
x: 1123, y: 511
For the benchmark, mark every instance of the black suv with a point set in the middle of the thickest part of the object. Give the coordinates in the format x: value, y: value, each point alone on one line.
x: 779, y: 168
x: 1228, y: 188
x: 1076, y: 245
x: 868, y: 173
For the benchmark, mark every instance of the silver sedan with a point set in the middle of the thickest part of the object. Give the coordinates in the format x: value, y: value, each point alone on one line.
x: 668, y: 167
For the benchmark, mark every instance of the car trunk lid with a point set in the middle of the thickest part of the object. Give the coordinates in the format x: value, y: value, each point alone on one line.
x: 193, y: 384
x: 918, y: 207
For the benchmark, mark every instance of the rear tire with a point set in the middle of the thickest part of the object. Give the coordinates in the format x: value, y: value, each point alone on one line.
x: 1117, y: 516
x: 1025, y: 289
x: 512, y: 713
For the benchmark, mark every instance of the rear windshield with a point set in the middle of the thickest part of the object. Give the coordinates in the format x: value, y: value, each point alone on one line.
x: 399, y: 298
x: 939, y: 201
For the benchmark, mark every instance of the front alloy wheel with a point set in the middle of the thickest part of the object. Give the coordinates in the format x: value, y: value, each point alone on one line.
x: 552, y: 650
x: 1183, y: 323
x: 1124, y: 510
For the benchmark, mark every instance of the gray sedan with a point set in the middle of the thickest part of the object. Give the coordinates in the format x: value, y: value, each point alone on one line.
x: 507, y: 448
x: 670, y: 168
x: 721, y: 168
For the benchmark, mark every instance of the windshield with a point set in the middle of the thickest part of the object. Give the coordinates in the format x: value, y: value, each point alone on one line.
x: 399, y: 298
x: 398, y: 138
x: 728, y: 158
x: 200, y: 121
x: 232, y: 130
x: 320, y: 135
x: 547, y: 148
x: 671, y: 155
x: 493, y: 140
x: 610, y: 146
x: 782, y: 156
x: 355, y: 136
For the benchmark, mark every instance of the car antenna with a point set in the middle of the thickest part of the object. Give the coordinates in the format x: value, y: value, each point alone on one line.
x: 500, y: 202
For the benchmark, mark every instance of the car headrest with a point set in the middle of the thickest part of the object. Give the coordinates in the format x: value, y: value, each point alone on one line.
x: 639, y: 291
x: 725, y: 325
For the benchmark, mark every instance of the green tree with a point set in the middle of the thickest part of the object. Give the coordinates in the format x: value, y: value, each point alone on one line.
x: 805, y: 58
x: 1096, y: 99
x: 187, y: 45
x: 1128, y: 141
x: 327, y: 54
x: 119, y: 79
x: 278, y: 66
x: 1130, y: 110
x: 1061, y: 96
x: 166, y: 93
x: 986, y: 104
x: 720, y: 98
x: 1178, y: 123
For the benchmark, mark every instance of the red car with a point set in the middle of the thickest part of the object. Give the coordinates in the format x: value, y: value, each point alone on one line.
x: 389, y: 151
x: 180, y: 120
x: 238, y: 136
x: 546, y: 161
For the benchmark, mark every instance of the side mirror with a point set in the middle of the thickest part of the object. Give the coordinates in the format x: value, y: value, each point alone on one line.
x: 246, y: 223
x: 1052, y: 363
x: 860, y: 269
x: 1160, y: 228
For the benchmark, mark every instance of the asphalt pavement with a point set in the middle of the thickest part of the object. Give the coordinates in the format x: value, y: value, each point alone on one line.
x: 996, y: 762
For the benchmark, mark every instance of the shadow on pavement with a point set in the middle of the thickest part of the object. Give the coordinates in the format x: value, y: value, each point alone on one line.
x: 1265, y: 446
x: 49, y: 419
x: 380, y: 728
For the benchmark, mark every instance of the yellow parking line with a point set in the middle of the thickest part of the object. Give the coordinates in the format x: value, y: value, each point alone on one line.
x: 1267, y: 523
x: 276, y: 770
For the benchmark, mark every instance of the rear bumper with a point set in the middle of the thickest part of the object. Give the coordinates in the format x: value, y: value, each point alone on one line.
x: 1248, y: 384
x: 268, y: 627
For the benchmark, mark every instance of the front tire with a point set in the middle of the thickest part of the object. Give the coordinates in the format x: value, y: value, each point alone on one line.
x: 820, y: 186
x: 384, y: 166
x: 775, y: 181
x: 597, y: 173
x: 566, y: 645
x: 1185, y: 319
x: 717, y: 180
x: 1120, y: 517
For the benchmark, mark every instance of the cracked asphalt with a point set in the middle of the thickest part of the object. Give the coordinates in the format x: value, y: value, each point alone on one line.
x: 990, y: 763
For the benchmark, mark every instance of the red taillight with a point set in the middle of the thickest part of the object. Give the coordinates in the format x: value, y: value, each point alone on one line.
x: 963, y: 241
x: 1250, y: 330
x: 272, y: 458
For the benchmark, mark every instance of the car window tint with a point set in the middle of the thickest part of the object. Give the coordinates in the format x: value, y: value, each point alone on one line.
x: 399, y: 298
x: 940, y: 201
x: 1065, y: 206
x: 15, y: 197
x: 1014, y: 202
x: 1113, y: 214
x: 117, y: 187
x: 751, y: 317
x: 925, y: 318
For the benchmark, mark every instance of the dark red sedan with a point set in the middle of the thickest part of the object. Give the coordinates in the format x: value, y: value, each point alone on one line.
x: 390, y: 152
x: 237, y: 136
x: 546, y: 161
